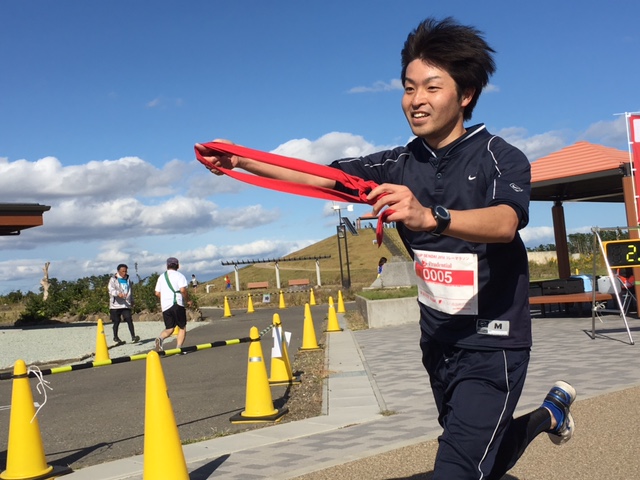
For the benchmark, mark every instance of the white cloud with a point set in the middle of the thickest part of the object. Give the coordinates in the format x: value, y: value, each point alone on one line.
x: 379, y: 86
x: 533, y: 236
x: 82, y: 220
x: 611, y: 133
x: 47, y: 178
x: 328, y: 147
x: 49, y: 182
x: 535, y: 146
x: 163, y: 102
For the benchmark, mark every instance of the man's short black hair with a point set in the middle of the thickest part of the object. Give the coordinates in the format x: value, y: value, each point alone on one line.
x: 122, y: 265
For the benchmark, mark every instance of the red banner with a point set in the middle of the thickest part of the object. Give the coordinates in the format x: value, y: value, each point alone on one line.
x: 634, y: 144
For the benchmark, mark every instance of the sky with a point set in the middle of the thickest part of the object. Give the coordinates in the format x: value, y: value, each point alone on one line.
x: 102, y: 102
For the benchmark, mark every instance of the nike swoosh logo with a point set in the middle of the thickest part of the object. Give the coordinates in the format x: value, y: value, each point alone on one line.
x: 472, y: 177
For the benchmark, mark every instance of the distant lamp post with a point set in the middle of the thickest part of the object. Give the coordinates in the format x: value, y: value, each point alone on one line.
x: 341, y: 233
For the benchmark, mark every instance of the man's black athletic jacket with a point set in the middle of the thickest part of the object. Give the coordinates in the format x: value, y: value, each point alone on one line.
x: 477, y: 170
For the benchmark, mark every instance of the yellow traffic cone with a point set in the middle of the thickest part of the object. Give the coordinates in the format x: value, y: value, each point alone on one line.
x: 312, y: 298
x: 309, y: 341
x: 332, y: 322
x: 331, y: 301
x: 102, y: 351
x: 258, y: 402
x: 340, y: 303
x: 176, y: 331
x: 282, y: 305
x: 163, y: 455
x: 250, y: 305
x: 281, y: 373
x: 25, y: 453
x: 227, y: 310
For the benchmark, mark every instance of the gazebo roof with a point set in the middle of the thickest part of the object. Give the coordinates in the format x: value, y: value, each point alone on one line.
x: 581, y: 172
x: 15, y: 217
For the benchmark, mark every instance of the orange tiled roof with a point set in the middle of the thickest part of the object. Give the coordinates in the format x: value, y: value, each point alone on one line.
x: 582, y: 158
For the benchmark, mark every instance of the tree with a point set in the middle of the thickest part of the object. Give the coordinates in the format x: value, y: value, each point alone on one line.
x: 45, y: 281
x: 144, y: 294
x: 582, y: 243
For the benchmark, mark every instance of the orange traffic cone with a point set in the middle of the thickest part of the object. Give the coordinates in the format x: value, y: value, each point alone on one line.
x: 332, y: 321
x: 25, y: 453
x: 309, y: 341
x: 227, y: 310
x: 282, y: 306
x: 281, y: 373
x: 312, y: 298
x: 340, y: 303
x: 258, y: 402
x: 163, y: 455
x: 102, y: 351
x: 250, y: 305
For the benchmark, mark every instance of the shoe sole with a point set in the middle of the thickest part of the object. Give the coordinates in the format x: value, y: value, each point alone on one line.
x: 566, y: 434
x: 158, y: 346
x: 568, y: 431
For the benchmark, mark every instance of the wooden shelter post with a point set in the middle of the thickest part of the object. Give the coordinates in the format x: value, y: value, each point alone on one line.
x: 560, y: 232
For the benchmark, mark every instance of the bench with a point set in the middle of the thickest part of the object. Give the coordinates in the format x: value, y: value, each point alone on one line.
x: 254, y: 285
x: 579, y: 298
x: 298, y: 282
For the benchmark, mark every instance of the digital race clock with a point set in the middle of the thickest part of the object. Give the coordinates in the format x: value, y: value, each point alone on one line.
x: 623, y: 253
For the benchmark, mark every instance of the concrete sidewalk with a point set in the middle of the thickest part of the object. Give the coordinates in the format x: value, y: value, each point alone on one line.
x: 378, y: 404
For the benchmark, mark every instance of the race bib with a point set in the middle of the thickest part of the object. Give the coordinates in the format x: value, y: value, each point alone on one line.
x: 447, y: 282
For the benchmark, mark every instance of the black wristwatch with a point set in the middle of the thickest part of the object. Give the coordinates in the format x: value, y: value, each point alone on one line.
x: 443, y: 219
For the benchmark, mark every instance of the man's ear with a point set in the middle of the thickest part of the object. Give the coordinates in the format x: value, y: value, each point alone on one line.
x: 467, y: 96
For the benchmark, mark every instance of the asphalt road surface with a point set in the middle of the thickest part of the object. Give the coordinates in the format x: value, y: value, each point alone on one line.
x: 97, y: 415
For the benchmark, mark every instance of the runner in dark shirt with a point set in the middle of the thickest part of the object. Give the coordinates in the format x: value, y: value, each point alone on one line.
x: 459, y: 196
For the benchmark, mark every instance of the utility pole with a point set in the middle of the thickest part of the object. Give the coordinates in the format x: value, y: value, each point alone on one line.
x: 341, y: 233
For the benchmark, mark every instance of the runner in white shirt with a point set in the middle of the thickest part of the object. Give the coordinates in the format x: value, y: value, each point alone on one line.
x: 171, y: 289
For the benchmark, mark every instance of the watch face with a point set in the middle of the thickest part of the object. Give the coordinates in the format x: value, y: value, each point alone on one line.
x: 442, y: 212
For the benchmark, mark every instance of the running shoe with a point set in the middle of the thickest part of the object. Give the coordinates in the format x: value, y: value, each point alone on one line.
x: 159, y: 345
x: 558, y: 401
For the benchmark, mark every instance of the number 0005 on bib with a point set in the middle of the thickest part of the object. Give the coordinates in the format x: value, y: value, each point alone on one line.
x: 448, y: 282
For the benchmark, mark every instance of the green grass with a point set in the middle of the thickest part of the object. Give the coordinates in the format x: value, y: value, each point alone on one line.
x: 364, y: 255
x: 389, y: 293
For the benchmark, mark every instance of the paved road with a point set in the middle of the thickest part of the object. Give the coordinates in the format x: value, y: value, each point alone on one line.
x: 97, y: 415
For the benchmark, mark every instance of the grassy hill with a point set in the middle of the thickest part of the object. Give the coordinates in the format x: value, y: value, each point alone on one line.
x: 364, y: 255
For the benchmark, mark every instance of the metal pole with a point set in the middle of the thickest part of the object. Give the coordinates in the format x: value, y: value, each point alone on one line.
x: 346, y: 254
x: 340, y: 255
